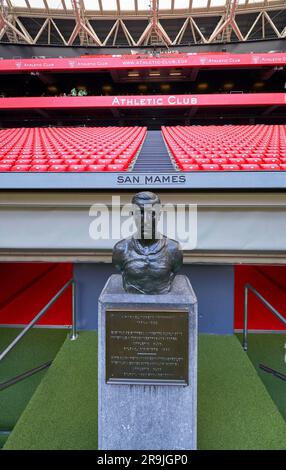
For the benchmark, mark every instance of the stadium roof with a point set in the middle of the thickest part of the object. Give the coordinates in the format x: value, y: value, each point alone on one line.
x: 135, y: 6
x: 140, y: 22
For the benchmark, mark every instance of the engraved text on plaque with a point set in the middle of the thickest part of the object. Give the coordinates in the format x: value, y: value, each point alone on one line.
x: 147, y: 347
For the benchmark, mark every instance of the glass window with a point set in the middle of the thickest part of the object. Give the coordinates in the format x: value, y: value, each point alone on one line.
x: 200, y: 3
x: 91, y: 5
x: 182, y: 4
x: 69, y: 5
x: 37, y: 4
x: 55, y: 4
x: 218, y: 3
x: 18, y: 3
x: 144, y: 4
x: 128, y: 5
x: 109, y: 5
x: 165, y: 4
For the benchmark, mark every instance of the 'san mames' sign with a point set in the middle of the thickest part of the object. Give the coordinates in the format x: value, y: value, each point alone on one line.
x: 150, y: 179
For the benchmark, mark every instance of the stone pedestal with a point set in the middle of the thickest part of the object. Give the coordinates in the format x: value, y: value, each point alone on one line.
x: 147, y: 368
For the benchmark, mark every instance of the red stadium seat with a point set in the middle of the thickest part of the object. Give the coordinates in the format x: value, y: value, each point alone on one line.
x: 7, y: 161
x: 210, y: 167
x: 104, y: 161
x: 21, y: 168
x: 270, y: 167
x: 39, y: 161
x: 39, y: 168
x: 76, y: 167
x: 58, y: 168
x: 88, y: 161
x: 5, y: 167
x: 115, y: 167
x: 250, y: 167
x: 96, y: 167
x: 230, y: 167
x: 186, y: 167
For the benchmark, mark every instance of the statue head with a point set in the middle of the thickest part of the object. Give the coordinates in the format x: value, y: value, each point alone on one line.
x: 147, y: 209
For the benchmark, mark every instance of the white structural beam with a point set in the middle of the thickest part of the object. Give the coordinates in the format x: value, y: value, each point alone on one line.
x: 180, y: 34
x: 116, y: 33
x: 128, y: 36
x: 198, y: 30
x: 58, y: 31
x: 144, y: 34
x: 44, y: 25
x: 228, y: 22
x: 163, y: 34
x: 7, y: 25
x: 156, y: 29
x: 253, y: 26
x: 73, y: 35
x: 81, y: 26
x: 23, y: 29
x: 93, y: 33
x: 272, y: 24
x: 110, y: 33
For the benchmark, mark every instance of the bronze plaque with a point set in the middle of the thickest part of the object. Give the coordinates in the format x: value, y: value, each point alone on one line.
x: 147, y: 347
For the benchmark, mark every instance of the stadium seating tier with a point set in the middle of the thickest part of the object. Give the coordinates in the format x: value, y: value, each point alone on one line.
x: 69, y: 149
x: 98, y: 149
x: 228, y: 147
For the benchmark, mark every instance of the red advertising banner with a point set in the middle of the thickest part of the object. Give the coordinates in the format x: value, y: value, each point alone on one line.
x: 193, y: 60
x: 147, y: 101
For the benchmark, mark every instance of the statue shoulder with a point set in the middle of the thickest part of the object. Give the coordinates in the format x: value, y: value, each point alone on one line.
x: 175, y: 253
x: 122, y: 245
x: 173, y: 245
x: 119, y: 250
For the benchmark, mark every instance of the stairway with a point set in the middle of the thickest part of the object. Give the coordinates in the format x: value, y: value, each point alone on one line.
x: 153, y: 156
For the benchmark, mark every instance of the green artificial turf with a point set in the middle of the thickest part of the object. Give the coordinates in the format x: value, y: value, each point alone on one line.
x: 234, y: 408
x: 270, y: 350
x: 37, y: 347
x: 63, y: 411
x: 3, y: 439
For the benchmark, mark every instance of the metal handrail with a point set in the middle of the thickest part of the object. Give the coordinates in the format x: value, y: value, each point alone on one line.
x: 30, y: 325
x: 273, y: 310
x: 24, y: 375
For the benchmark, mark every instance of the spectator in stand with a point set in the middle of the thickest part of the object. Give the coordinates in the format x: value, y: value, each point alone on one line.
x: 80, y: 92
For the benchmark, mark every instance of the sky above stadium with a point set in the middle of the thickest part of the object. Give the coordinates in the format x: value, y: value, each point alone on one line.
x: 125, y: 5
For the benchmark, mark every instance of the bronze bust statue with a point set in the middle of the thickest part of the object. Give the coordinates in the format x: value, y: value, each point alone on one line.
x: 147, y: 260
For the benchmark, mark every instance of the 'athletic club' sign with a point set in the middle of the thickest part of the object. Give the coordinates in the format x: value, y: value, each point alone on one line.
x: 150, y: 101
x: 171, y: 100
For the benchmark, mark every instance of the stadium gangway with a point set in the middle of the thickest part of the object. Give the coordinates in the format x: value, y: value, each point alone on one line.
x: 247, y: 288
x: 30, y: 325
